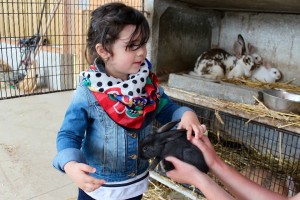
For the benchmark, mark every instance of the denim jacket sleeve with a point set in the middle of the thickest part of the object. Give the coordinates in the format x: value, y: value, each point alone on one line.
x: 171, y: 111
x: 72, y: 131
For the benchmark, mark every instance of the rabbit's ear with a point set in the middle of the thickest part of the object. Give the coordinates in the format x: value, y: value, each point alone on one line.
x: 267, y: 64
x: 252, y: 49
x: 171, y: 135
x: 168, y: 126
x: 242, y: 42
x: 215, y: 46
x: 239, y: 47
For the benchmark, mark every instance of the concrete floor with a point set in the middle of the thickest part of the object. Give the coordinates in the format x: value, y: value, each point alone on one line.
x: 28, y: 128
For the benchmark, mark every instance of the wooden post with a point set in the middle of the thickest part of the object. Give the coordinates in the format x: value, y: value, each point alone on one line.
x: 67, y: 61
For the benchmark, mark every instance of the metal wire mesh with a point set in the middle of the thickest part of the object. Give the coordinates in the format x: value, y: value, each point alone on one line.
x: 267, y: 155
x: 42, y: 44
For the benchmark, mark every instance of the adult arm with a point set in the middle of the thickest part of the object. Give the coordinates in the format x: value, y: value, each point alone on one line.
x: 186, y: 173
x: 240, y: 186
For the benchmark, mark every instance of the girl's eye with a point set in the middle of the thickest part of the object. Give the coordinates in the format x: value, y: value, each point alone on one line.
x: 133, y: 47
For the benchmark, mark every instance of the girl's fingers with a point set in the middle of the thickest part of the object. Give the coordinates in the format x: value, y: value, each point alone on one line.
x: 89, y: 187
x: 180, y: 126
x: 189, y: 133
x: 87, y: 168
x: 199, y: 131
x: 93, y: 184
x: 203, y: 128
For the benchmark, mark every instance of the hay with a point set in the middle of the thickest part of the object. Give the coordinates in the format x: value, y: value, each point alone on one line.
x: 261, y: 85
x: 159, y: 191
x: 253, y: 111
x: 261, y: 110
x: 256, y: 111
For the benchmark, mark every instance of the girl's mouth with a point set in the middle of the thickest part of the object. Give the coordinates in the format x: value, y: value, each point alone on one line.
x: 138, y: 63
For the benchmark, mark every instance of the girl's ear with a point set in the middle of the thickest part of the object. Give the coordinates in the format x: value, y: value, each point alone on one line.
x: 102, y: 52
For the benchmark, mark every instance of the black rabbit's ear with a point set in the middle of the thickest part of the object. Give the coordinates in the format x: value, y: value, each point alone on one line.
x: 168, y: 126
x: 172, y: 135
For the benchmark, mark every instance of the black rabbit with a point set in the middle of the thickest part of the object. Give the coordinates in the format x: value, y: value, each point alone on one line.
x: 166, y: 142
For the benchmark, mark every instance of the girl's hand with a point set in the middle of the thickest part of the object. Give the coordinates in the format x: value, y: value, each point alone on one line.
x: 190, y: 122
x: 78, y: 172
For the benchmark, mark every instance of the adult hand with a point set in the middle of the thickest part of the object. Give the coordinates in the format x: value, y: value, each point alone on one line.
x: 208, y: 151
x: 78, y: 172
x: 183, y: 172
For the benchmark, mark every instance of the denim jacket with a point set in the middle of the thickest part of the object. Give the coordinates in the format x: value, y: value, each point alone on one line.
x: 88, y: 135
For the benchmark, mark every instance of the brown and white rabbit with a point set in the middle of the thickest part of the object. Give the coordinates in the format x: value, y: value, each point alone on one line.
x: 210, y: 64
x: 218, y: 64
x: 266, y: 73
x: 266, y: 179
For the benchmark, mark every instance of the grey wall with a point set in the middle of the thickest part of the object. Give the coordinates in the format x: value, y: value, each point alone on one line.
x: 179, y: 34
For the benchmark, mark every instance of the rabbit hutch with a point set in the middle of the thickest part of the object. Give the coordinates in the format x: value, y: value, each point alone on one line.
x: 260, y: 142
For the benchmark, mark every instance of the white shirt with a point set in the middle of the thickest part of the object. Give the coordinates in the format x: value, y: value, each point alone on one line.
x: 122, y: 192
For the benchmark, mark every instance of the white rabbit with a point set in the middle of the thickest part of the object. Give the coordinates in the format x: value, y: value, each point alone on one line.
x: 266, y: 73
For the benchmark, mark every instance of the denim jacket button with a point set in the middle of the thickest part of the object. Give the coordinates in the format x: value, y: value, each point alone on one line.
x: 132, y: 174
x: 133, y: 156
x: 133, y: 135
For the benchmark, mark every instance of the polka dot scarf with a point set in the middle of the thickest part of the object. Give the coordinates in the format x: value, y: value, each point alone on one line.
x: 126, y: 102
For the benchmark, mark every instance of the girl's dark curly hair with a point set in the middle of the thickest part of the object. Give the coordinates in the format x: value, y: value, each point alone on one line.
x: 108, y: 21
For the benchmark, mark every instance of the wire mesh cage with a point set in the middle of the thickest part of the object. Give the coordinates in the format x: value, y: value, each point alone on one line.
x: 42, y: 44
x: 267, y: 155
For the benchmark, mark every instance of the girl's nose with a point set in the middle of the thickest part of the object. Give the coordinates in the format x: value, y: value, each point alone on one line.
x: 142, y: 51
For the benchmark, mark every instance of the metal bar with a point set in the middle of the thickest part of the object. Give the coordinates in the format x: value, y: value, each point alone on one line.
x: 186, y: 192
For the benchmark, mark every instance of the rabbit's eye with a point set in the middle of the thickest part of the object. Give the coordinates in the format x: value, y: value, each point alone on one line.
x: 145, y: 149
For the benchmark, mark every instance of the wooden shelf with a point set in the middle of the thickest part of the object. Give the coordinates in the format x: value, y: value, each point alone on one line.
x: 202, y: 100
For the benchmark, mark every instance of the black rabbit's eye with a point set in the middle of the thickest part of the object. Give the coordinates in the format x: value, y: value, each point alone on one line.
x: 145, y: 149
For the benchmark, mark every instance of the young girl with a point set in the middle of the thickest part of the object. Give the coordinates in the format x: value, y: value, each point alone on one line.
x: 113, y: 109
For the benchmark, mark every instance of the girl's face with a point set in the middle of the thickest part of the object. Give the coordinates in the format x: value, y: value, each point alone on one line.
x: 125, y: 61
